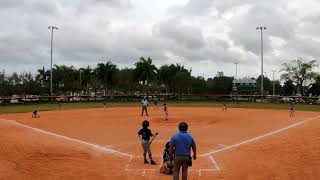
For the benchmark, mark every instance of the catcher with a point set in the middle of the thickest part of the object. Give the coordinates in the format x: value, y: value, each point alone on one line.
x: 167, y: 166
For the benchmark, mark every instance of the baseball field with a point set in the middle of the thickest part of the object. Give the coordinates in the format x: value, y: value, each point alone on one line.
x: 255, y: 141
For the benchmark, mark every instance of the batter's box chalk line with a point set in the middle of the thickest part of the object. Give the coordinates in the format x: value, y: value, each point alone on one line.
x: 212, y: 167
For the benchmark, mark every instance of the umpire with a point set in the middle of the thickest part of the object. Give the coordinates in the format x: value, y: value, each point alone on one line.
x: 182, y: 142
x: 144, y: 106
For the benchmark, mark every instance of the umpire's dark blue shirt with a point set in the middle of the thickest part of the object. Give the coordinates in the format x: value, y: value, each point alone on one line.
x: 145, y: 133
x: 183, y: 141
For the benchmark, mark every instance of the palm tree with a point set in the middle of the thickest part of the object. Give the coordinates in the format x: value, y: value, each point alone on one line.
x: 106, y: 74
x: 42, y: 77
x: 145, y: 71
x: 86, y: 77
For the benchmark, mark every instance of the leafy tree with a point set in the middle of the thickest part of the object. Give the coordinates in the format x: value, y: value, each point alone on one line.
x: 106, y: 74
x: 170, y: 75
x: 199, y: 85
x: 289, y: 88
x: 300, y: 73
x: 220, y: 84
x: 125, y: 80
x: 267, y: 84
x: 182, y: 82
x: 278, y: 88
x: 315, y: 88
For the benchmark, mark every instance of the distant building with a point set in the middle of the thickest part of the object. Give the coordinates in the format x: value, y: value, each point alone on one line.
x: 245, y: 85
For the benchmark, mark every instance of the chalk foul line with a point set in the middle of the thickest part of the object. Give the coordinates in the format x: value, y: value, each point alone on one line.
x: 258, y: 137
x: 94, y: 146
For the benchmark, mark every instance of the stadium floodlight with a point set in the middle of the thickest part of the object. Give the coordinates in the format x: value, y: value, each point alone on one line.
x: 273, y: 88
x: 51, y: 28
x: 80, y: 71
x: 236, y: 63
x: 261, y: 28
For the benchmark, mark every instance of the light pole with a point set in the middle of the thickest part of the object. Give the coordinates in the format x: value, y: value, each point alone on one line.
x: 236, y: 63
x: 80, y: 78
x: 51, y: 28
x: 261, y: 28
x: 273, y: 88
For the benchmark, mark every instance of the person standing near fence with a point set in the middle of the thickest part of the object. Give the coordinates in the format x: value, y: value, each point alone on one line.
x: 144, y: 106
x: 182, y: 142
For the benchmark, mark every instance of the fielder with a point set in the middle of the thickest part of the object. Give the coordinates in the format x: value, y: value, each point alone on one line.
x: 104, y: 105
x: 165, y: 110
x: 156, y: 107
x: 144, y: 135
x: 59, y: 105
x: 35, y: 114
x: 292, y: 108
x: 224, y: 107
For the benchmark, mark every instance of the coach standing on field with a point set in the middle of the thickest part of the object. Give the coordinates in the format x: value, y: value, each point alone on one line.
x: 183, y: 142
x: 144, y: 106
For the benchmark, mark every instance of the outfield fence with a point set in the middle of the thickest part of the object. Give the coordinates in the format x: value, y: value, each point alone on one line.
x: 161, y: 97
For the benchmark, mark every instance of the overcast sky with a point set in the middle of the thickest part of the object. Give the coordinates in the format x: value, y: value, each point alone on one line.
x: 205, y: 35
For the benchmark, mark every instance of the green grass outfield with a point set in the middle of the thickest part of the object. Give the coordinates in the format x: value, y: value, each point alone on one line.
x: 6, y: 109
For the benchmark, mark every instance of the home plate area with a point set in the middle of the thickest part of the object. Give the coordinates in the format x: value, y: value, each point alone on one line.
x: 203, y: 164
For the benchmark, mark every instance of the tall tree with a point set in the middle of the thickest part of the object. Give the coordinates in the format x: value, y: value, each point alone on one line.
x: 86, y: 78
x: 289, y: 88
x: 145, y: 71
x: 301, y: 73
x: 199, y: 85
x: 315, y: 88
x: 267, y: 84
x: 220, y: 84
x: 125, y: 80
x: 170, y: 76
x: 106, y: 74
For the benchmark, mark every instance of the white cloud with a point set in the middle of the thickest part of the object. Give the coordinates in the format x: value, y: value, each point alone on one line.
x: 207, y: 35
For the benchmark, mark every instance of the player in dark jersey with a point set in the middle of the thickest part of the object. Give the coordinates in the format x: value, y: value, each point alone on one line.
x: 165, y: 110
x: 144, y: 135
x: 59, y: 105
x: 104, y: 104
x: 292, y: 108
x: 35, y: 114
x: 156, y: 107
x: 224, y: 107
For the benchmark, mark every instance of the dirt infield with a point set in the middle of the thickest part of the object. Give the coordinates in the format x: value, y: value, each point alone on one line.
x: 103, y: 144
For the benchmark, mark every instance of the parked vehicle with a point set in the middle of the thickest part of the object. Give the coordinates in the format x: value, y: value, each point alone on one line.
x: 14, y: 101
x: 286, y: 99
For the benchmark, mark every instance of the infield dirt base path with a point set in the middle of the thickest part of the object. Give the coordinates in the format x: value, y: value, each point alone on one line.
x: 98, y: 144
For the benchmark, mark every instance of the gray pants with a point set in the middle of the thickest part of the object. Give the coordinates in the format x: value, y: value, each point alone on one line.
x: 146, y: 149
x: 180, y: 161
x: 144, y: 108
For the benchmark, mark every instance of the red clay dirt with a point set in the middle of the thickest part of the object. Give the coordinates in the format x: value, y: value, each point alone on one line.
x: 88, y: 138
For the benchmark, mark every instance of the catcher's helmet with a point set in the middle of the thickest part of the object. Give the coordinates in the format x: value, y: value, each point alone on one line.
x: 183, y: 126
x: 145, y: 124
x: 167, y: 145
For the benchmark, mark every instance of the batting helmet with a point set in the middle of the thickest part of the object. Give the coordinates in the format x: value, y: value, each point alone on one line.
x: 145, y: 124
